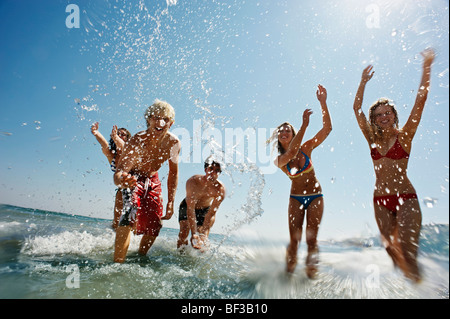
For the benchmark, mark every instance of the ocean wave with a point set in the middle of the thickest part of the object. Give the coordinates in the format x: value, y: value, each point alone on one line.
x: 9, y: 227
x: 39, y: 251
x: 69, y: 242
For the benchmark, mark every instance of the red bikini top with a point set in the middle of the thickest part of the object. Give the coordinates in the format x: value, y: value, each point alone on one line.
x: 396, y: 152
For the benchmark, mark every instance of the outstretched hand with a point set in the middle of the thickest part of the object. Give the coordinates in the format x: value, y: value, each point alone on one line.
x: 306, y: 114
x: 321, y: 94
x: 367, y: 74
x: 114, y: 132
x: 428, y: 56
x: 94, y: 128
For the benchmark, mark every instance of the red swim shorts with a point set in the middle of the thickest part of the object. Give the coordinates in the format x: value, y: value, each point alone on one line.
x: 145, y: 207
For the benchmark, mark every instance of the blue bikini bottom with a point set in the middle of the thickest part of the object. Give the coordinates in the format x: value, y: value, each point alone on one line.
x: 305, y: 200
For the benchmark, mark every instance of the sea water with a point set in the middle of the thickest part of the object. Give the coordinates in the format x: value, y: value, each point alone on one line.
x: 52, y: 255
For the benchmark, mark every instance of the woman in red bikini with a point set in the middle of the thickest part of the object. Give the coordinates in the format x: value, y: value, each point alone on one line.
x: 397, y: 209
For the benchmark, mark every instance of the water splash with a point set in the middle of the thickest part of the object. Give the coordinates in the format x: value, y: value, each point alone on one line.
x: 142, y: 51
x: 41, y: 245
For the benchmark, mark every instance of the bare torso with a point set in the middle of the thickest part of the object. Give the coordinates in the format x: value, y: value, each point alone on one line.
x: 391, y: 174
x: 146, y: 157
x: 203, y: 193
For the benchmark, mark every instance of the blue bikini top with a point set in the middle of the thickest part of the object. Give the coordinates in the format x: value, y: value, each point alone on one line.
x: 305, y: 169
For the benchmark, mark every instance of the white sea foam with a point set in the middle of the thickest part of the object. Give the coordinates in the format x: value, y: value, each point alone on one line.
x: 360, y: 274
x: 69, y: 242
x: 14, y: 227
x: 7, y: 225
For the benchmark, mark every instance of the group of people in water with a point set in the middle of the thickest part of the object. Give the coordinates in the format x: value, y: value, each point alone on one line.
x: 137, y: 159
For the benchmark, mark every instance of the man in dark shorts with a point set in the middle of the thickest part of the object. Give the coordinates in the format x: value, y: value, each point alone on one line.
x: 197, y: 214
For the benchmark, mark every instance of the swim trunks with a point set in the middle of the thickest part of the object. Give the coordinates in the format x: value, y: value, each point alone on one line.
x: 199, y: 213
x: 143, y: 206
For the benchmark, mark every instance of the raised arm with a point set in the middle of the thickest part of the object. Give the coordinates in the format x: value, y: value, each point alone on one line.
x: 321, y: 94
x: 102, y: 141
x: 296, y: 142
x: 413, y: 121
x: 120, y: 143
x: 360, y: 117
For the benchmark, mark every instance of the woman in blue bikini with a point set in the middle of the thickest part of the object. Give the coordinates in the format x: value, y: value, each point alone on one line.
x: 306, y: 193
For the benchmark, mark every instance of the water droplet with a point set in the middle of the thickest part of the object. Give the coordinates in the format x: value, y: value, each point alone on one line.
x: 430, y: 202
x: 38, y: 125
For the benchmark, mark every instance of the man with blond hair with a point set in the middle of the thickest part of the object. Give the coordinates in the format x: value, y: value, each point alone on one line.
x: 137, y: 170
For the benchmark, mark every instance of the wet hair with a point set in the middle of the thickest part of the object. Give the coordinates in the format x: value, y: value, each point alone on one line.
x: 159, y: 106
x: 112, y: 145
x: 376, y: 130
x: 274, y: 137
x: 211, y: 162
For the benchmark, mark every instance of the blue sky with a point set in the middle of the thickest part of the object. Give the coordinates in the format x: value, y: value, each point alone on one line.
x: 231, y: 65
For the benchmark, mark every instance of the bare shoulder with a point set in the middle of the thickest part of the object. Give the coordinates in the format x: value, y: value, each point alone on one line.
x: 192, y: 186
x: 194, y: 180
x: 140, y: 135
x: 172, y: 139
x: 171, y: 143
x: 137, y: 138
x: 405, y: 138
x: 308, y: 147
x: 220, y: 187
